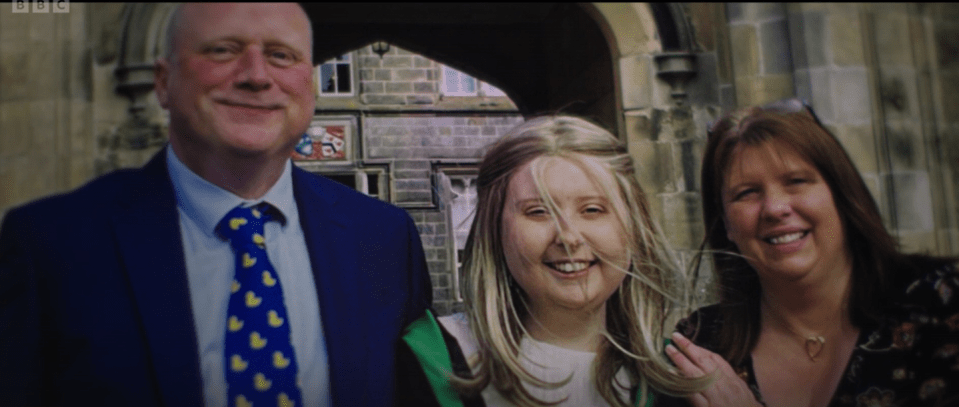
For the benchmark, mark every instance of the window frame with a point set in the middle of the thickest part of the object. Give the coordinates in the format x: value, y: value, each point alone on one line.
x: 450, y: 171
x: 350, y: 62
x: 481, y: 88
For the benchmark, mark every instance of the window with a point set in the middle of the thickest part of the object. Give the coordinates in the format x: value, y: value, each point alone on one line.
x: 459, y: 185
x: 335, y: 77
x: 456, y: 83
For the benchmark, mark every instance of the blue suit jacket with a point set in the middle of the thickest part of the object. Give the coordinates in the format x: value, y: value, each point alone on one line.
x: 95, y: 307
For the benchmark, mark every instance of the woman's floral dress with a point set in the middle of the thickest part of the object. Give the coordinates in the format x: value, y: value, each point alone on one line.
x: 909, y: 359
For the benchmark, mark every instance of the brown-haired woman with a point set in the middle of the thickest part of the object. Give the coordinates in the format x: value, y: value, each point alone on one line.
x: 818, y: 307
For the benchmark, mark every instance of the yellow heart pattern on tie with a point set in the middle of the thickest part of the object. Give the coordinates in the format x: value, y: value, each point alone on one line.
x: 284, y: 401
x: 235, y: 223
x: 259, y: 359
x: 248, y: 261
x: 252, y: 300
x: 256, y: 341
x: 235, y: 324
x: 237, y: 363
x: 261, y: 383
x: 274, y: 319
x: 279, y: 361
x: 268, y: 279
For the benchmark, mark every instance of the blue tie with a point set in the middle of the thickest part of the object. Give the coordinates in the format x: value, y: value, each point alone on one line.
x: 260, y: 365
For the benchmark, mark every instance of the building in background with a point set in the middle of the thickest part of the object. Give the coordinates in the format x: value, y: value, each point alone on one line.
x: 409, y: 94
x: 410, y: 131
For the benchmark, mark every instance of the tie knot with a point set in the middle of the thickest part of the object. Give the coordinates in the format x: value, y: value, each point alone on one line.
x: 244, y: 225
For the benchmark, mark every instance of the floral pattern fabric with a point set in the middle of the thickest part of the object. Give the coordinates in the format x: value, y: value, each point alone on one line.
x: 909, y: 359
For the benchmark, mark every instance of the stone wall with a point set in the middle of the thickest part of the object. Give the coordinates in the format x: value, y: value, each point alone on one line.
x: 399, y: 78
x: 406, y: 124
x: 45, y: 104
x: 412, y: 146
x: 871, y: 72
x: 940, y: 28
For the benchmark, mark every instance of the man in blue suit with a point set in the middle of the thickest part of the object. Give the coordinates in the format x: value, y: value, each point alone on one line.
x: 117, y: 293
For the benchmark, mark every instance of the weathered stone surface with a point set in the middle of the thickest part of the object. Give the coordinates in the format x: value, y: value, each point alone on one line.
x: 370, y: 61
x: 372, y: 87
x: 735, y: 12
x: 421, y: 62
x: 420, y: 99
x: 745, y: 51
x: 846, y: 40
x: 859, y: 143
x: 15, y: 26
x: 764, y: 11
x: 892, y: 37
x: 905, y: 146
x: 16, y: 70
x: 850, y: 93
x: 15, y: 121
x: 764, y: 89
x: 810, y: 39
x: 682, y: 224
x: 774, y: 47
x: 43, y: 129
x: 383, y: 74
x: 384, y: 99
x: 702, y: 88
x: 399, y: 87
x: 637, y: 73
x: 390, y: 61
x: 409, y: 74
x: 913, y: 200
x: 947, y: 46
x: 9, y: 197
x: 424, y: 87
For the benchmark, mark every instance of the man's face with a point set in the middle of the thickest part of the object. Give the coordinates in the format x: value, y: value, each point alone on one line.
x: 239, y: 82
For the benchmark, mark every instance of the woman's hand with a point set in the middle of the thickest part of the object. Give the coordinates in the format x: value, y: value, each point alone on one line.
x: 728, y: 390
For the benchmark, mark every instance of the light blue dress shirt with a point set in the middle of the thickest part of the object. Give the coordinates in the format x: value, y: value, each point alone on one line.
x: 210, y: 268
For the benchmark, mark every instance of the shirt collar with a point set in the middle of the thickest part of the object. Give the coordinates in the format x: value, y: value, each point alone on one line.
x: 207, y: 203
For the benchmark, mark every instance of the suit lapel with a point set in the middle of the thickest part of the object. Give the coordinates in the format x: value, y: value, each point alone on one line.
x: 333, y: 257
x: 148, y: 234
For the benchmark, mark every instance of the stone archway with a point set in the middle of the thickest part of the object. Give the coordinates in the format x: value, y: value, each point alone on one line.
x: 589, y: 59
x: 546, y: 56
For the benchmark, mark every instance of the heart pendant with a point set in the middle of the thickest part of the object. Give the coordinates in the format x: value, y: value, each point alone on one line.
x: 814, y: 345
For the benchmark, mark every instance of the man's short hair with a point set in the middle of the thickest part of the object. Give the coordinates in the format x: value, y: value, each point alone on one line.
x: 176, y: 18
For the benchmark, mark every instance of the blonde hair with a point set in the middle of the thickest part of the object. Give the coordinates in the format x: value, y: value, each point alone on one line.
x: 635, y: 313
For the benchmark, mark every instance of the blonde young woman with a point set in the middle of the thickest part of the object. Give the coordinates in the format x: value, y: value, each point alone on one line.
x: 567, y: 283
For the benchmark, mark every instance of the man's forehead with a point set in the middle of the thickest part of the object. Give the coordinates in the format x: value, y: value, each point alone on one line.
x: 278, y: 19
x: 216, y: 8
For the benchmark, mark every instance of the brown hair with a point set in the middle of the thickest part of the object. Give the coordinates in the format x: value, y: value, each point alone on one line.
x: 875, y: 254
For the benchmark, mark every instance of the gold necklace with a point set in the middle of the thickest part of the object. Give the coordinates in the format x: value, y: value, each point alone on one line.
x: 814, y: 343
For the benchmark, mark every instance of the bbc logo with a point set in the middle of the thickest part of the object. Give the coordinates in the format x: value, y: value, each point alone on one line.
x: 41, y: 6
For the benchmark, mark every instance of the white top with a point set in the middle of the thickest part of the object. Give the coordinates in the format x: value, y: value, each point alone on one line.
x: 544, y: 361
